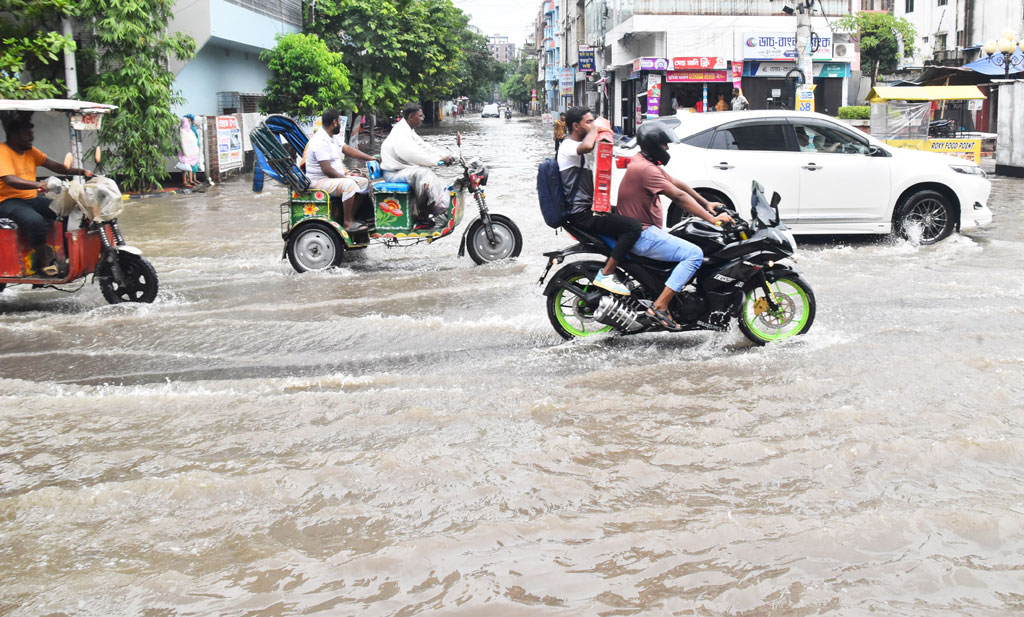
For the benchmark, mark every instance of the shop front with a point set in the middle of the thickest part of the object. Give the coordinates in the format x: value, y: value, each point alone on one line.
x: 765, y: 85
x: 641, y: 92
x: 696, y: 83
x: 769, y: 58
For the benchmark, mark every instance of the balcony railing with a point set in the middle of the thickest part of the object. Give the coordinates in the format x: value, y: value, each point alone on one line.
x: 621, y: 10
x: 288, y: 11
x: 946, y: 57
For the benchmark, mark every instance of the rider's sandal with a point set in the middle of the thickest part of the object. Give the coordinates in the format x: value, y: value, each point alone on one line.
x: 662, y: 317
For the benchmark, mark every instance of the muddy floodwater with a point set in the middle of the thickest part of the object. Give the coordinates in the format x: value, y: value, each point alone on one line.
x: 407, y: 435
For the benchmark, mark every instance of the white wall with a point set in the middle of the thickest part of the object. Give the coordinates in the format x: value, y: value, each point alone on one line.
x: 930, y: 20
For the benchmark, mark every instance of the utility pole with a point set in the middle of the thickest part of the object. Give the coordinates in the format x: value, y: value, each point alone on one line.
x: 805, y: 92
x: 70, y: 74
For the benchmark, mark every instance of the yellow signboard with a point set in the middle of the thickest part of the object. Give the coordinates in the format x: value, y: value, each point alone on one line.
x: 969, y: 149
x: 805, y: 98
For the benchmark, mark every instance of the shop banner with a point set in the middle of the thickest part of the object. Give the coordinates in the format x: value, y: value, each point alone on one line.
x: 969, y: 149
x: 653, y: 96
x: 696, y: 63
x: 779, y: 69
x: 534, y: 94
x: 568, y: 81
x: 586, y: 59
x: 782, y: 46
x: 698, y: 76
x: 650, y: 64
x: 737, y: 74
x: 229, y: 143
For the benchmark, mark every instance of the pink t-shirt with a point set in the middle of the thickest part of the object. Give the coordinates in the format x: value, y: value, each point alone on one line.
x: 639, y: 189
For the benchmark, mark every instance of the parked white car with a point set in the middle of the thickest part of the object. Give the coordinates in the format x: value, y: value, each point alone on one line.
x: 833, y: 179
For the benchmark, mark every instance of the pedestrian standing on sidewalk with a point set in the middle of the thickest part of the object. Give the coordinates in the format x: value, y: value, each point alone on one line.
x: 739, y: 102
x: 559, y: 132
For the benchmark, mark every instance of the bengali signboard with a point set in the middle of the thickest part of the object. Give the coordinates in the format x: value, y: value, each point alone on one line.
x: 696, y: 76
x: 653, y: 96
x: 650, y: 64
x: 698, y: 63
x: 737, y: 74
x: 780, y: 69
x: 782, y: 46
x: 229, y: 143
x: 587, y: 63
x: 567, y: 81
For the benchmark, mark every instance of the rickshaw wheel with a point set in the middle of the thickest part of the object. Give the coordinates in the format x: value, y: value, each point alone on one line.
x: 314, y: 246
x: 141, y: 283
x: 508, y: 241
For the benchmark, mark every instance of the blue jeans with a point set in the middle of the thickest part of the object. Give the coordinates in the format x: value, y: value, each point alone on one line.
x: 656, y: 243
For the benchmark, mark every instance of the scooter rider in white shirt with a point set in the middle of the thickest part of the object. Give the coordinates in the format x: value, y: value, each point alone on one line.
x: 405, y: 157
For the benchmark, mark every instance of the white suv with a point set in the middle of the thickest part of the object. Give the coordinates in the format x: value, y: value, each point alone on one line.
x: 833, y: 179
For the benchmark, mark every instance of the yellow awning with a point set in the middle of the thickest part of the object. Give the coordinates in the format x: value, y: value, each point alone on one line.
x: 881, y: 94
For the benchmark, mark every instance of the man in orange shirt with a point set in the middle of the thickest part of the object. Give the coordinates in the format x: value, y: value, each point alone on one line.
x: 19, y: 191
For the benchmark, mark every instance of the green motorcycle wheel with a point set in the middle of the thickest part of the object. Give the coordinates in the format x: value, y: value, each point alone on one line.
x: 794, y: 315
x: 569, y: 315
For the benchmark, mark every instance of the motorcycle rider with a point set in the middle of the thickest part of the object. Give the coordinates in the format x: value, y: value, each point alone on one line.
x: 576, y: 170
x: 639, y: 192
x: 322, y: 153
x: 19, y: 191
x: 405, y: 157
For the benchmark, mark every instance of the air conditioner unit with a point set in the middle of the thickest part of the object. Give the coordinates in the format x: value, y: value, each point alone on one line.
x: 842, y: 47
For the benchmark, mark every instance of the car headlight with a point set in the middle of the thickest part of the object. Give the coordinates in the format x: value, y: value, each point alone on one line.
x: 969, y: 170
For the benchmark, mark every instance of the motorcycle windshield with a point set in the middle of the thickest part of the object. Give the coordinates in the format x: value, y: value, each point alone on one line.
x: 763, y: 213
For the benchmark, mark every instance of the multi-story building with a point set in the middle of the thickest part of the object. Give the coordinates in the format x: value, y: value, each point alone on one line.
x: 687, y: 52
x: 549, y: 60
x: 953, y: 32
x: 226, y: 75
x: 501, y: 49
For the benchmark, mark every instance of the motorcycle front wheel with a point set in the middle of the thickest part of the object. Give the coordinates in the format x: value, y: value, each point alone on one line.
x: 794, y: 315
x: 140, y: 281
x: 508, y: 241
x: 569, y: 314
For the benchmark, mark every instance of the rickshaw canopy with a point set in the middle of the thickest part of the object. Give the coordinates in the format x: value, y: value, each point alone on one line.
x: 65, y: 105
x: 882, y: 94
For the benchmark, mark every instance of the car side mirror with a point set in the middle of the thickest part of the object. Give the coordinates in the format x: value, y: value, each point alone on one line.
x: 875, y: 151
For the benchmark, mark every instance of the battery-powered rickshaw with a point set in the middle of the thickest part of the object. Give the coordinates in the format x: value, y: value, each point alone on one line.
x: 85, y: 236
x: 311, y: 221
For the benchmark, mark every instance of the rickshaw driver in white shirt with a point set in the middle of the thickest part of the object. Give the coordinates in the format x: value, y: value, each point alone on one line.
x: 405, y: 157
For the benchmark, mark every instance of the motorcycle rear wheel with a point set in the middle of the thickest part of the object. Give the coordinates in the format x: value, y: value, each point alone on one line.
x: 795, y: 314
x: 141, y: 283
x: 569, y: 315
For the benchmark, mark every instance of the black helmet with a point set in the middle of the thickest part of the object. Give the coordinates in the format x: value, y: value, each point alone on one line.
x: 653, y: 136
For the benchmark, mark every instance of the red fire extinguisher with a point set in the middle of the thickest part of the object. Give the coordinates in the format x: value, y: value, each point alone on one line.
x: 603, y: 166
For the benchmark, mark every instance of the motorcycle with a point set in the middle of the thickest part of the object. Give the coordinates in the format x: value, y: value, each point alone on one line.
x: 508, y: 113
x: 85, y: 236
x: 311, y: 221
x: 944, y: 128
x: 741, y: 278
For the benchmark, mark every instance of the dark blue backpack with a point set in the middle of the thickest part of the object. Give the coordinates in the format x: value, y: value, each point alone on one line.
x: 553, y: 201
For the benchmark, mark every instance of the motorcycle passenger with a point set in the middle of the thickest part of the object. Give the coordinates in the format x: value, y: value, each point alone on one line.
x: 576, y: 171
x: 638, y: 197
x: 323, y: 152
x: 19, y: 191
x: 405, y: 157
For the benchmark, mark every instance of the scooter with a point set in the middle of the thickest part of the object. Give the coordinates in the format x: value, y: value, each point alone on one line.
x: 742, y: 278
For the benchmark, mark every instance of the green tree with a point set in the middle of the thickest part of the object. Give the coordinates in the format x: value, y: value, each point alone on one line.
x: 133, y: 50
x: 397, y: 50
x: 519, y: 85
x: 479, y: 70
x: 880, y: 36
x: 31, y: 46
x: 306, y: 77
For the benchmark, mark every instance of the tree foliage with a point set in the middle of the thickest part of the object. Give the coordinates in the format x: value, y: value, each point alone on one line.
x: 519, y: 85
x: 31, y: 46
x: 306, y: 77
x: 880, y: 36
x: 401, y: 50
x: 479, y: 70
x: 133, y: 50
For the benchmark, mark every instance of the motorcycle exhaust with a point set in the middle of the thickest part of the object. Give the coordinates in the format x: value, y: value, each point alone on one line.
x: 619, y: 313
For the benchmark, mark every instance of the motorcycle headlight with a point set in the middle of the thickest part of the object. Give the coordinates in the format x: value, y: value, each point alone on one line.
x: 969, y: 170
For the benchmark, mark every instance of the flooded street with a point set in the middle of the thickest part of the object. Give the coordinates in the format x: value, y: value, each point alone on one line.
x: 407, y: 435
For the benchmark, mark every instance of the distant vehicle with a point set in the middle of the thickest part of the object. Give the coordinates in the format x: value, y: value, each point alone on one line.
x: 833, y: 179
x: 490, y: 111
